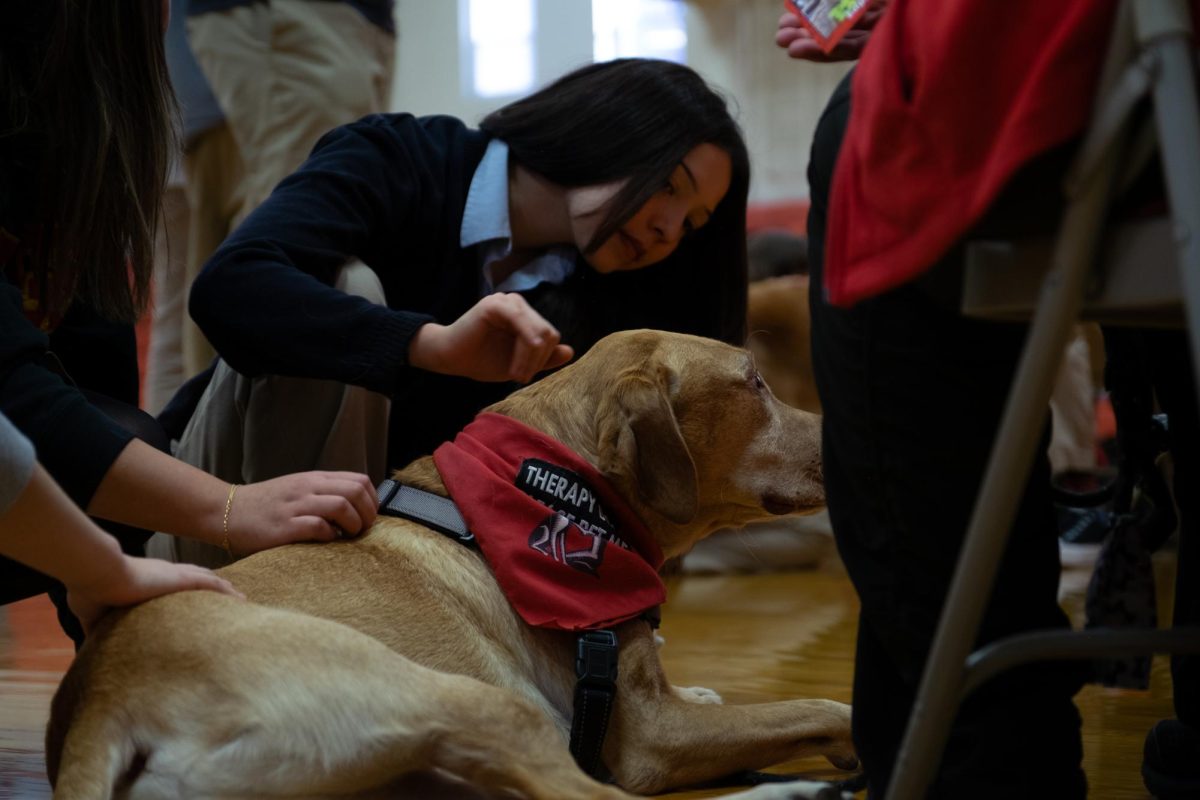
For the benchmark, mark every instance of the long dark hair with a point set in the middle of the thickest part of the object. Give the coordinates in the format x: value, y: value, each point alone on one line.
x: 636, y: 119
x: 86, y: 129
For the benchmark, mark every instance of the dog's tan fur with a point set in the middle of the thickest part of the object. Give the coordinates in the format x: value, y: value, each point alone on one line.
x: 358, y: 662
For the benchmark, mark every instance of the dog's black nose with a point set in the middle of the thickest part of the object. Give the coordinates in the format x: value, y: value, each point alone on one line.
x: 775, y: 504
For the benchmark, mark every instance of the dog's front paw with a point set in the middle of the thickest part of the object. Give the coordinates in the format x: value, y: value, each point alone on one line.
x: 847, y: 760
x: 842, y: 753
x: 698, y: 694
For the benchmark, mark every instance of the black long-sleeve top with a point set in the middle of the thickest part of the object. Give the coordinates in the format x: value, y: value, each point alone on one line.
x: 75, y: 442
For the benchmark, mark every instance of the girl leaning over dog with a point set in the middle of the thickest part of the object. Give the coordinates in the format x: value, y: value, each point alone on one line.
x: 420, y: 263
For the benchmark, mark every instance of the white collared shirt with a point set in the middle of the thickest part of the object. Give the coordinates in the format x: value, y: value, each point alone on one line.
x: 486, y: 222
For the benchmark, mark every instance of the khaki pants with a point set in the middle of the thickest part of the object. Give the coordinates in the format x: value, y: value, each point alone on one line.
x: 168, y: 317
x: 284, y: 73
x: 1073, y: 411
x: 246, y: 430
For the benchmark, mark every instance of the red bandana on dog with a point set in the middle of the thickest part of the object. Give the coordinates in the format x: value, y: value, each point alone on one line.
x: 564, y: 547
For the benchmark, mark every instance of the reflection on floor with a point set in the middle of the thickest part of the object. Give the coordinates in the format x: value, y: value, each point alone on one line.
x: 33, y: 656
x: 753, y: 638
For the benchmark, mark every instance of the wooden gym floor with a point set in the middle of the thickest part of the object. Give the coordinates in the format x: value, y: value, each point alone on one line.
x: 752, y: 638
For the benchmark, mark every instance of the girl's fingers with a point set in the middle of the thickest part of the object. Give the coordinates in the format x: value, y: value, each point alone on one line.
x: 336, y: 510
x: 530, y: 325
x: 211, y: 581
x: 312, y: 528
x: 534, y: 339
x: 361, y: 497
x: 560, y: 355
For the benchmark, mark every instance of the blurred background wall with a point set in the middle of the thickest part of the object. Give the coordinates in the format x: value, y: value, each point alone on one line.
x: 466, y: 57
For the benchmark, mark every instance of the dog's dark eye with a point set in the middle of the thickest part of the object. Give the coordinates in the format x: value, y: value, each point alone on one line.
x: 758, y: 381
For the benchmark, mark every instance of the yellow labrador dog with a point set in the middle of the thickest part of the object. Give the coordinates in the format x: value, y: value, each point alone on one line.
x: 358, y: 664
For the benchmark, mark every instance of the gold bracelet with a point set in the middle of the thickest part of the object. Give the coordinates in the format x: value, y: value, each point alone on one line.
x: 233, y: 487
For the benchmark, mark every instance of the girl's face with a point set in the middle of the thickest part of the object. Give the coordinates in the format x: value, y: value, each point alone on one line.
x: 681, y: 206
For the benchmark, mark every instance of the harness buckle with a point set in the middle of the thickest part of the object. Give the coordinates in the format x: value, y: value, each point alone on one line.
x: 596, y: 658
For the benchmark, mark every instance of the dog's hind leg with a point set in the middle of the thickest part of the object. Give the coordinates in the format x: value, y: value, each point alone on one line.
x: 495, y: 739
x: 282, y: 705
x: 390, y: 725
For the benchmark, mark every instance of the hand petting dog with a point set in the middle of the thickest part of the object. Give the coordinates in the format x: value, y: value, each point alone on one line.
x: 307, y: 506
x: 501, y: 338
x: 136, y: 581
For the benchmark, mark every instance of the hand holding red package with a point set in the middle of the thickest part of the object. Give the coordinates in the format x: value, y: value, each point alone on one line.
x: 827, y: 30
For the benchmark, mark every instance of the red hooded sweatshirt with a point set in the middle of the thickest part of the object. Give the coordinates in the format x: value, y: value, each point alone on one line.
x: 950, y: 99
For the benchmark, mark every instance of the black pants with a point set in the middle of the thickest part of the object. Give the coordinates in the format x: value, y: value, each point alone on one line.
x: 912, y: 394
x: 1154, y: 365
x: 1175, y: 387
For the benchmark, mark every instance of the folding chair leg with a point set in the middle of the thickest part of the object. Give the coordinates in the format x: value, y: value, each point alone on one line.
x: 1167, y: 27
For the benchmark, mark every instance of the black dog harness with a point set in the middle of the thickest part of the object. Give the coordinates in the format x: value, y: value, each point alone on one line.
x: 596, y: 650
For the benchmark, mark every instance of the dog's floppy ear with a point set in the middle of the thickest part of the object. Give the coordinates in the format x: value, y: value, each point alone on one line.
x: 643, y: 450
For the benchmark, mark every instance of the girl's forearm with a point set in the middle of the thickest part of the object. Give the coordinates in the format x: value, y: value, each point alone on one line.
x: 45, y: 530
x: 149, y: 489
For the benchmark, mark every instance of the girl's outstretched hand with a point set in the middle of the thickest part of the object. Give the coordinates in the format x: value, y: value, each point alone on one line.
x: 501, y: 338
x: 306, y: 506
x: 140, y: 579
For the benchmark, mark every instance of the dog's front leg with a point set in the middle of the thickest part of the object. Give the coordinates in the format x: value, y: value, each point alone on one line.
x: 658, y: 740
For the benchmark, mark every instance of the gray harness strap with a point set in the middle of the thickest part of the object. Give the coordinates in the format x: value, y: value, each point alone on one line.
x: 439, y: 513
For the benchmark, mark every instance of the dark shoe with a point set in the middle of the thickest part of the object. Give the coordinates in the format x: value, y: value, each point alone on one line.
x: 1083, y: 525
x: 1171, y: 761
x: 1081, y: 532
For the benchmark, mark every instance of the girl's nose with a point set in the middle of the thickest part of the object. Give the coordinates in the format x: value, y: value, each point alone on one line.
x: 667, y: 225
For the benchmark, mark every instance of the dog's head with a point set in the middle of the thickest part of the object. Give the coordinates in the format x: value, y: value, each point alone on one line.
x: 685, y: 428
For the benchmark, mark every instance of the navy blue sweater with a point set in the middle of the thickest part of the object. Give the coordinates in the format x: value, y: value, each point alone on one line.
x: 75, y: 442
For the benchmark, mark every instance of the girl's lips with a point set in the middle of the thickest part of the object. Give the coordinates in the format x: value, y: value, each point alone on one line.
x: 634, y: 247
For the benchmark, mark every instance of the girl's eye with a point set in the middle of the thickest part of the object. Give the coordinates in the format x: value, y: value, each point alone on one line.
x: 669, y: 188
